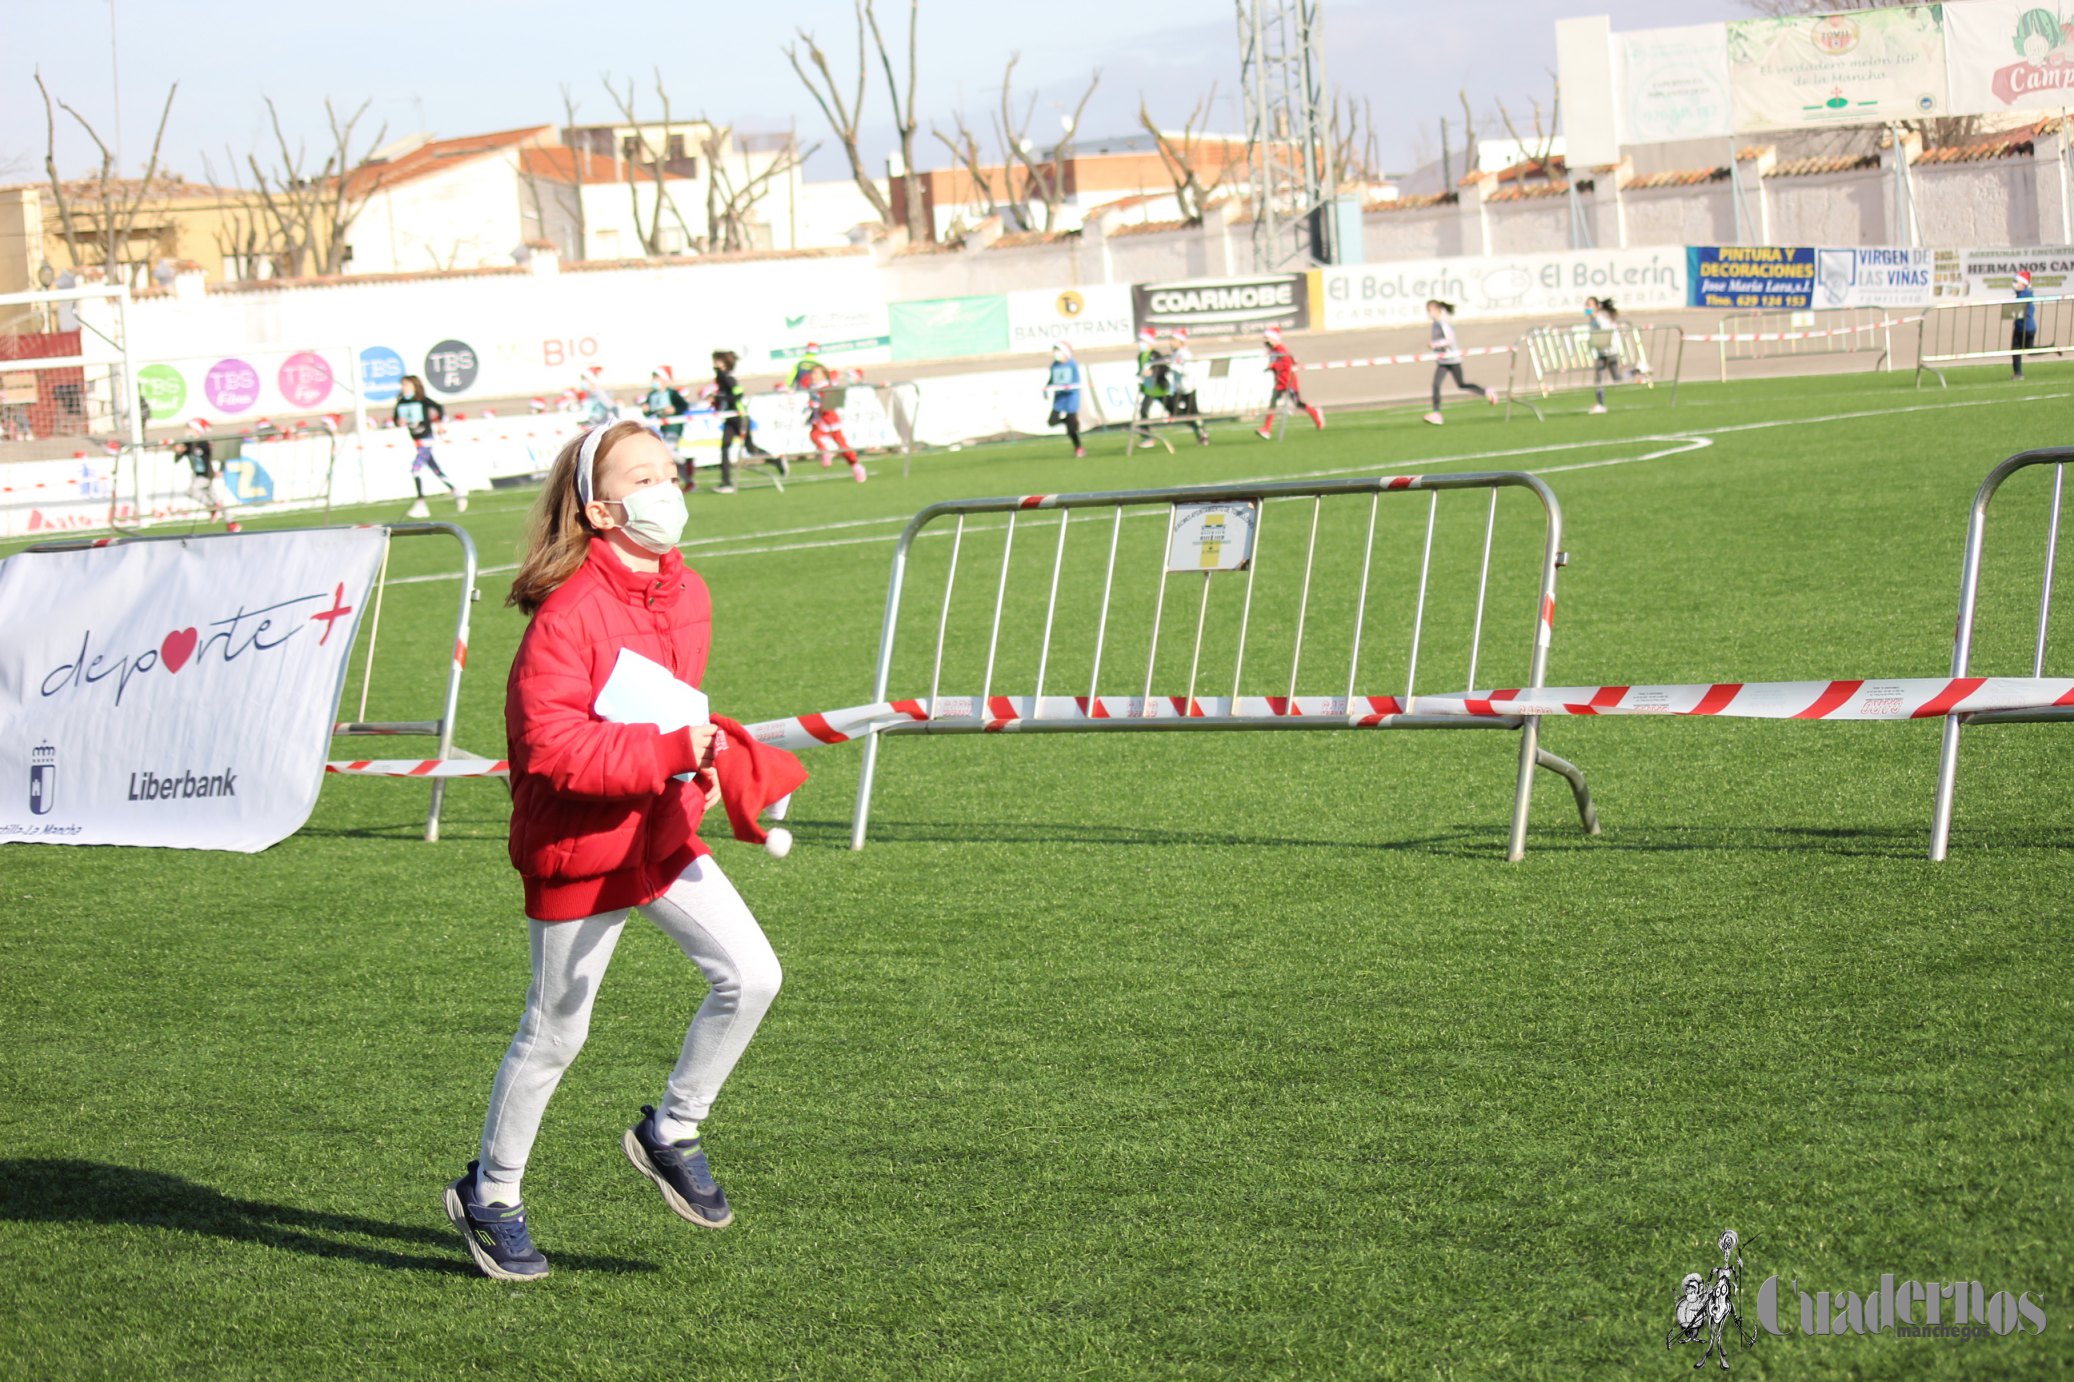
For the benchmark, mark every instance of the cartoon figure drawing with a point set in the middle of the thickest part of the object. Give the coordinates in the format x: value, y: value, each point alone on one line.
x: 2039, y: 35
x: 1707, y: 1307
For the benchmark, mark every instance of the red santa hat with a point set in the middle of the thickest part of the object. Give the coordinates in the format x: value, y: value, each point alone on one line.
x: 752, y: 776
x: 198, y: 425
x: 1179, y: 333
x: 536, y: 404
x: 1146, y: 333
x: 662, y: 372
x: 2023, y: 278
x: 813, y: 347
x: 1272, y: 333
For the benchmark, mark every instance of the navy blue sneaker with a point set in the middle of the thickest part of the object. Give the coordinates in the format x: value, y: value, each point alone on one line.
x: 495, y: 1234
x: 679, y: 1170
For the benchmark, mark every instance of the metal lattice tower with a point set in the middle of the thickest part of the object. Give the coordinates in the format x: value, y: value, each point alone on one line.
x: 1288, y: 132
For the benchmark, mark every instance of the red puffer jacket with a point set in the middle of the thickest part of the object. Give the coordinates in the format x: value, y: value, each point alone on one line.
x: 599, y: 820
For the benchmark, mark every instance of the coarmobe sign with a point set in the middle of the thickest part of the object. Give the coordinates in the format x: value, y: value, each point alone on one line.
x: 1224, y: 306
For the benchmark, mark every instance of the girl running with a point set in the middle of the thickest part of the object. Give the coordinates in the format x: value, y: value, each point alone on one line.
x: 734, y: 422
x: 666, y: 408
x: 1063, y: 388
x: 824, y: 421
x: 605, y: 820
x: 1449, y: 351
x: 207, y: 487
x: 1282, y: 365
x: 1605, y: 344
x: 419, y: 415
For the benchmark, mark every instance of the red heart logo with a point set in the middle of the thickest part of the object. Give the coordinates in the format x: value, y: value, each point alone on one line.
x: 177, y: 648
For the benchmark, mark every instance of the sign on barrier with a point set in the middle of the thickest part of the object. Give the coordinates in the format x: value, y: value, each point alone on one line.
x: 176, y: 693
x: 1185, y: 551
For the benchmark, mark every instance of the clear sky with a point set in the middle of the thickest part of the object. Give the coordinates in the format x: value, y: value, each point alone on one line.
x: 466, y: 66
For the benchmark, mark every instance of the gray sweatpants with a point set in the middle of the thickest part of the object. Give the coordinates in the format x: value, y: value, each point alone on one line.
x: 704, y: 914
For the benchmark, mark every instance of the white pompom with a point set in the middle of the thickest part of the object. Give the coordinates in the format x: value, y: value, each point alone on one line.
x: 778, y: 841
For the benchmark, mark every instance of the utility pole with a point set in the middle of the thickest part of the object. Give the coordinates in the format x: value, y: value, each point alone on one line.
x: 1288, y: 133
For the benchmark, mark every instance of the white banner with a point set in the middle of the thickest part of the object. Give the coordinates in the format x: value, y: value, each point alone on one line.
x: 176, y: 693
x: 1504, y: 285
x: 1674, y: 84
x: 1872, y: 278
x: 1990, y: 275
x: 2009, y: 55
x: 1097, y: 315
x: 1837, y: 69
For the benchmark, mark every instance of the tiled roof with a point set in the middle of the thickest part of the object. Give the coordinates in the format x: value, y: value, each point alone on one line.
x: 1532, y: 191
x: 1418, y: 203
x: 1149, y: 228
x: 1823, y: 163
x: 268, y: 285
x: 916, y: 248
x: 1680, y: 177
x: 567, y: 266
x: 686, y: 261
x: 557, y: 164
x: 2016, y: 143
x: 436, y: 157
x: 1026, y: 239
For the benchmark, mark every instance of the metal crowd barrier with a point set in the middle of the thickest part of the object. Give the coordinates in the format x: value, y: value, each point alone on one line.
x: 1215, y: 530
x: 1963, y: 332
x: 1568, y: 359
x: 1962, y: 643
x: 1821, y: 331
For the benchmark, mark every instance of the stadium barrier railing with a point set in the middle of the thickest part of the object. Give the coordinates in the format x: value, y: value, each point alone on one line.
x: 1962, y: 642
x: 1958, y: 333
x: 1551, y: 360
x: 1752, y: 336
x: 1215, y: 531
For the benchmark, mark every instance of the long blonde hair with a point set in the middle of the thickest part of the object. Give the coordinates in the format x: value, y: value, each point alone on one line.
x: 558, y: 534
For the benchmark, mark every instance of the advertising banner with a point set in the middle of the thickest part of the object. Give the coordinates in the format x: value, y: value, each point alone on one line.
x: 1837, y: 69
x: 2009, y: 55
x: 946, y: 328
x: 1503, y: 285
x: 1990, y: 275
x: 246, y: 385
x: 178, y: 694
x: 1096, y: 315
x: 1674, y: 84
x: 1224, y: 306
x: 1754, y: 278
x: 1873, y: 277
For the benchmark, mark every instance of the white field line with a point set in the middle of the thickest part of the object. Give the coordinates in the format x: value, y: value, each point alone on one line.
x: 1682, y: 443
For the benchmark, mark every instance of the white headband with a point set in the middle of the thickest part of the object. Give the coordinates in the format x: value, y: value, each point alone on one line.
x: 587, y: 461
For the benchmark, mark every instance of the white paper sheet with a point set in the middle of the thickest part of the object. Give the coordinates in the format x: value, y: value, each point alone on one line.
x: 642, y: 692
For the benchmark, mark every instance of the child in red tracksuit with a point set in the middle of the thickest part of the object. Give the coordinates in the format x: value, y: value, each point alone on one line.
x: 605, y: 820
x: 1282, y: 365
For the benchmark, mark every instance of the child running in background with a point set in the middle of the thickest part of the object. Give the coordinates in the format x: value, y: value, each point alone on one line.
x: 605, y: 818
x: 667, y: 408
x: 1155, y: 381
x: 1182, y: 378
x: 2023, y: 328
x: 207, y: 487
x: 824, y: 423
x: 1605, y: 344
x: 734, y: 422
x: 418, y: 415
x: 1062, y: 387
x: 1449, y: 351
x: 1282, y: 365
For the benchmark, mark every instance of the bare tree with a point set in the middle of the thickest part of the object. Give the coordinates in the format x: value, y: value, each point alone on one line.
x: 965, y: 149
x: 843, y: 116
x: 313, y: 210
x: 658, y: 165
x: 118, y: 204
x: 246, y: 237
x: 1182, y: 156
x: 576, y: 171
x: 1539, y: 153
x: 1043, y: 182
x: 729, y: 200
x: 1355, y: 152
x: 904, y: 122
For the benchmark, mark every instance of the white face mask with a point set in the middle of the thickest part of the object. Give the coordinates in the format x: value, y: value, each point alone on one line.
x: 655, y: 517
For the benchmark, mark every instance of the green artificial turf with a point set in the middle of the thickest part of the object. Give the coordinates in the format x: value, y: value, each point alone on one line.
x: 1180, y: 1056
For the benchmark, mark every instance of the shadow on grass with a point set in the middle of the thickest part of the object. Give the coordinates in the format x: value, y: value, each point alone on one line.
x: 65, y: 1191
x: 1460, y: 841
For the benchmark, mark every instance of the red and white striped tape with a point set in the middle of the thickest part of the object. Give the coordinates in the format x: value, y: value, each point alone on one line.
x: 1905, y: 698
x: 1861, y: 329
x: 1419, y: 358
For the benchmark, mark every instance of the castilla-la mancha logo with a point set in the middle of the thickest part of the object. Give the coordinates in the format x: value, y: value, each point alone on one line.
x: 1708, y: 1311
x: 43, y: 779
